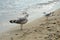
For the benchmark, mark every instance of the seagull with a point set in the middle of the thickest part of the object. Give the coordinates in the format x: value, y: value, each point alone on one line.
x: 20, y: 21
x: 47, y: 15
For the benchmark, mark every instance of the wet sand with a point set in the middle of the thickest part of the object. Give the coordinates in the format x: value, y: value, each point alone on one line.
x: 39, y: 29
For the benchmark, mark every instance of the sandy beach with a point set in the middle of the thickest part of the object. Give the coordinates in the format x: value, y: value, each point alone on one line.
x: 39, y: 29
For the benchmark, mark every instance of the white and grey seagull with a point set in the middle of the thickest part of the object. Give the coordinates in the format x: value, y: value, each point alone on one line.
x: 21, y: 21
x: 47, y: 15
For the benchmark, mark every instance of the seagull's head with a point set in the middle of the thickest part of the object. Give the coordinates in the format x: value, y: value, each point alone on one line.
x: 26, y: 14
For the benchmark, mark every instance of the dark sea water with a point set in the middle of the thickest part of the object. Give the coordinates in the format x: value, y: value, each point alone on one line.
x: 12, y: 9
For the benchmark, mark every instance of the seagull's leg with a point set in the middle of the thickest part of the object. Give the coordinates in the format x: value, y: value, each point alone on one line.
x: 21, y: 26
x: 47, y: 21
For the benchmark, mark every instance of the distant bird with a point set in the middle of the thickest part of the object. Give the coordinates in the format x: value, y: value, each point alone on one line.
x: 47, y: 15
x: 21, y: 21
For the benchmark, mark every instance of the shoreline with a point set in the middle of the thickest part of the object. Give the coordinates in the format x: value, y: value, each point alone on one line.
x: 36, y: 30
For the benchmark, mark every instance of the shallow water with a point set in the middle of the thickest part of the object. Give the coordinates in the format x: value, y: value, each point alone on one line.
x: 11, y: 9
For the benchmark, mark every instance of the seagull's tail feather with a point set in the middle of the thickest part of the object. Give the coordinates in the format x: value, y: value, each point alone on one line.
x: 12, y: 21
